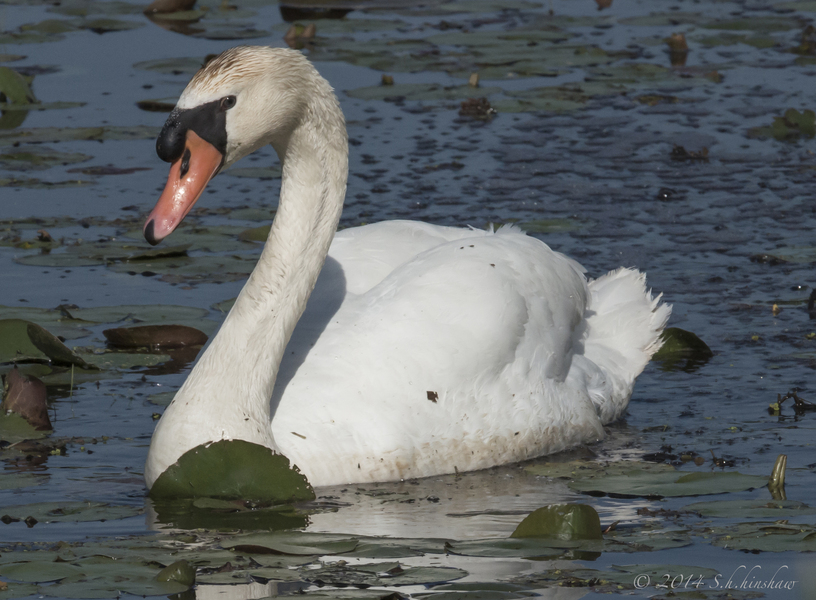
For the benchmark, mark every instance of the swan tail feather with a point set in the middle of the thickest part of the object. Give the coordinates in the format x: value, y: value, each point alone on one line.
x: 624, y: 324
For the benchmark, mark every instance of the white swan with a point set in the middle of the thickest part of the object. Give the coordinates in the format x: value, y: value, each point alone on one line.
x: 423, y: 349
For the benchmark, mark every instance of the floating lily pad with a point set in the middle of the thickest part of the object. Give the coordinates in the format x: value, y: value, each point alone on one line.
x: 550, y: 226
x: 34, y: 158
x: 124, y: 361
x: 582, y: 469
x: 163, y: 336
x: 765, y: 537
x: 638, y: 483
x: 63, y: 134
x: 562, y: 521
x: 25, y: 341
x: 225, y: 515
x: 71, y: 512
x: 14, y: 428
x: 290, y: 544
x: 164, y: 105
x: 103, y: 25
x: 511, y: 548
x: 763, y: 24
x: 180, y: 572
x: 233, y: 469
x: 37, y: 572
x: 162, y: 398
x: 750, y: 509
x: 15, y: 87
x: 14, y: 481
x: 382, y: 574
x: 682, y: 350
x: 171, y: 66
x: 421, y: 91
x: 730, y: 39
x: 256, y: 234
x: 147, y: 314
x: 789, y: 127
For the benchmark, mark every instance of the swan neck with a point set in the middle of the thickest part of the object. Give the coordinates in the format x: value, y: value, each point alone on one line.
x: 313, y: 184
x: 227, y: 395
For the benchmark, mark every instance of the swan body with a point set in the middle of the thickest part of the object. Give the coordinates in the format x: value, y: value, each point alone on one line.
x: 421, y: 349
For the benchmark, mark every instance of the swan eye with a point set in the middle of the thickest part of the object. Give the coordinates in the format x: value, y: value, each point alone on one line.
x: 227, y: 102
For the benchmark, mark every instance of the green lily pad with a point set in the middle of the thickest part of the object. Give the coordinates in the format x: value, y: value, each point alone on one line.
x: 71, y: 512
x: 682, y: 350
x: 510, y: 548
x: 162, y: 398
x: 26, y: 341
x: 763, y: 24
x: 638, y: 483
x: 15, y: 87
x: 582, y: 469
x: 14, y: 428
x: 104, y: 25
x: 789, y: 127
x: 290, y: 544
x: 38, y: 572
x: 147, y: 314
x: 550, y: 225
x: 64, y: 134
x: 421, y: 91
x: 223, y: 515
x: 18, y: 590
x: 765, y: 537
x: 730, y: 39
x: 171, y: 66
x: 750, y: 509
x: 382, y: 574
x: 225, y: 306
x: 562, y: 521
x: 256, y: 234
x: 14, y: 481
x: 180, y: 572
x: 124, y: 361
x: 233, y: 469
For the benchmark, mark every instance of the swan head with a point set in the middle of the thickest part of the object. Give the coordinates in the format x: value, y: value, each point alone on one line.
x: 242, y: 99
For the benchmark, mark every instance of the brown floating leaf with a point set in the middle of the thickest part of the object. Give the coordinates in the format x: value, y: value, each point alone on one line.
x: 680, y: 153
x: 478, y: 108
x: 27, y: 397
x: 678, y: 49
x: 299, y: 37
x: 164, y: 336
x: 169, y: 6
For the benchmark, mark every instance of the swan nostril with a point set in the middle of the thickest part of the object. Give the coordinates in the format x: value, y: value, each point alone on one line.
x: 185, y: 163
x: 150, y: 234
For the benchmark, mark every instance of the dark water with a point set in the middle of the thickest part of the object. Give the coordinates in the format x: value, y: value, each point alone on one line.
x: 593, y: 170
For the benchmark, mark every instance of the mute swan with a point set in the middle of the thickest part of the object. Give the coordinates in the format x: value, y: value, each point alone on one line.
x: 423, y: 349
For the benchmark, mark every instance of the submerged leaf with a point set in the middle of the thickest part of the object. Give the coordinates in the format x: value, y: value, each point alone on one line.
x: 233, y: 469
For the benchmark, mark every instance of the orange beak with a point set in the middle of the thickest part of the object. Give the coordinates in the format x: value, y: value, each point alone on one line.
x: 189, y: 175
